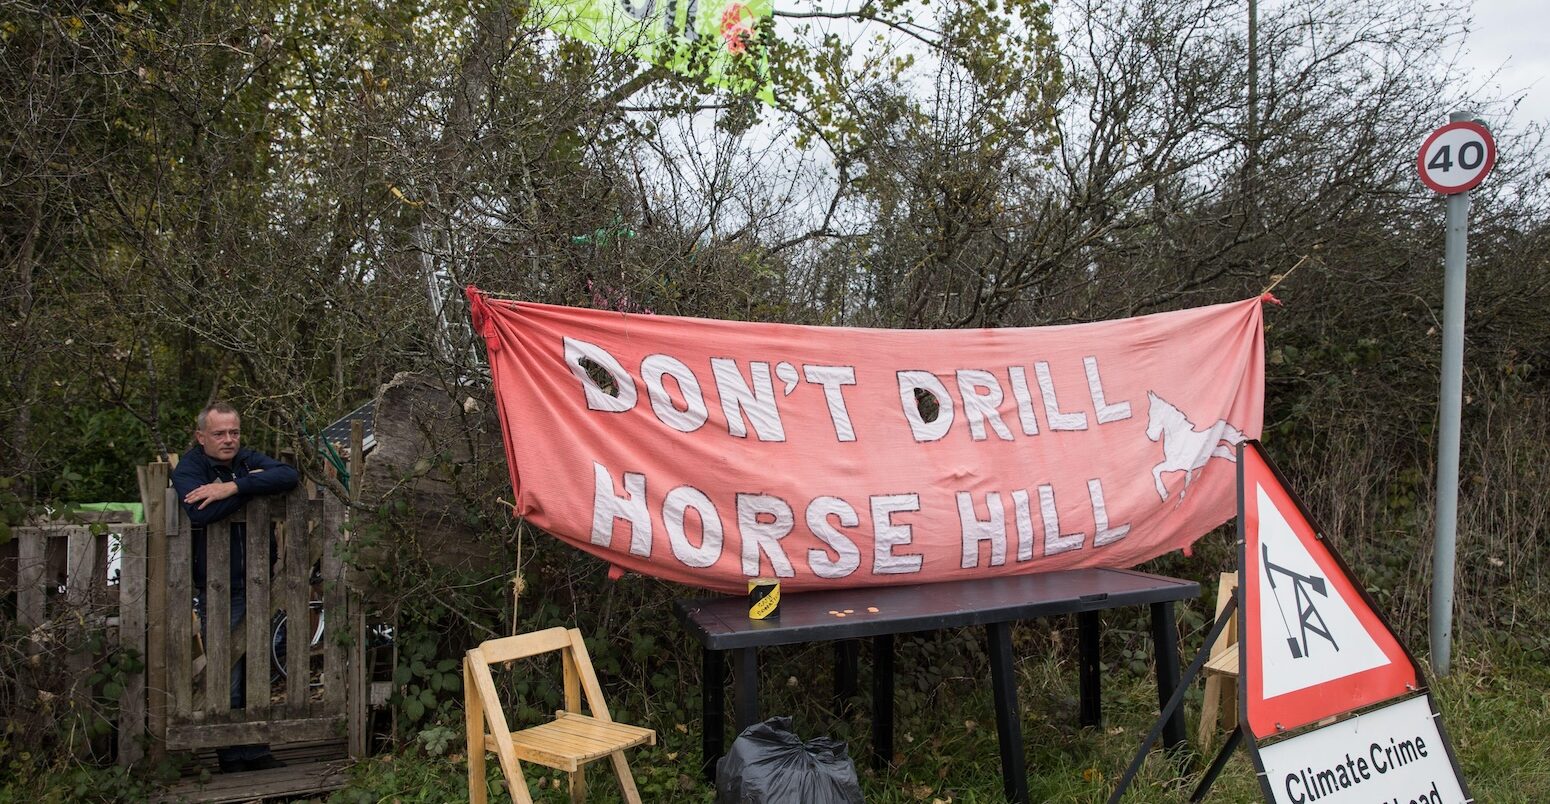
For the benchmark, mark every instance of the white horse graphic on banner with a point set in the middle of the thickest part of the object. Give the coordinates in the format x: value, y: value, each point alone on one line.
x: 1185, y: 449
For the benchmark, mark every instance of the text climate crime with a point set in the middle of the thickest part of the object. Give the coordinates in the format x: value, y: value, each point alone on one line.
x: 1312, y: 784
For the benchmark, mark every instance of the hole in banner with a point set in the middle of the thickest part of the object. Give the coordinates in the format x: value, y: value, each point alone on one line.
x: 926, y: 402
x: 600, y: 377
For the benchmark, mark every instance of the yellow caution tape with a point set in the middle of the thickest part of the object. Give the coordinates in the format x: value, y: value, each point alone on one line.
x: 765, y: 606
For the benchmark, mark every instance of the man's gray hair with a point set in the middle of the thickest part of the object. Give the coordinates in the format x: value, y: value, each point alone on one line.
x: 214, y: 407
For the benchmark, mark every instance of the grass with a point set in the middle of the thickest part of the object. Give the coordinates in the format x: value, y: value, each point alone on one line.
x: 1495, y: 703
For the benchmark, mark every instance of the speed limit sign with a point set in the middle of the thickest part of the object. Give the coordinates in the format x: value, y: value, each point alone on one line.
x: 1456, y: 157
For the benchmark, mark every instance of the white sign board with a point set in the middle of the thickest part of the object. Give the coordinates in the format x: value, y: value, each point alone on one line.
x: 1456, y: 157
x: 1393, y: 754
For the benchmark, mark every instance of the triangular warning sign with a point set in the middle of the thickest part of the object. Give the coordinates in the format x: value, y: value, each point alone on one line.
x: 1312, y: 643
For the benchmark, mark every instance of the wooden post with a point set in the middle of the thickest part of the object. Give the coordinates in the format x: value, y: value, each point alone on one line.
x: 473, y: 727
x: 256, y: 619
x: 81, y: 566
x: 355, y: 700
x: 81, y: 580
x: 31, y: 566
x: 131, y: 638
x: 578, y: 777
x: 336, y: 615
x: 180, y: 614
x: 357, y: 464
x: 217, y: 617
x: 296, y: 592
x: 153, y: 499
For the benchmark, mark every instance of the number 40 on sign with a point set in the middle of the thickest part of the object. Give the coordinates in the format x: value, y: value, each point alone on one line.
x: 1456, y: 157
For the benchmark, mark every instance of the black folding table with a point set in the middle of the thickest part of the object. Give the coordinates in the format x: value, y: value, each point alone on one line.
x: 722, y: 624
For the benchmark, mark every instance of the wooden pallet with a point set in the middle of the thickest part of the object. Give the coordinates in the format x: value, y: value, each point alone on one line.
x: 292, y: 780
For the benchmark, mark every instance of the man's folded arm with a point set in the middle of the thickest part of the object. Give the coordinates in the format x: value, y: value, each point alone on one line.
x: 267, y: 476
x: 185, y: 481
x: 213, y: 511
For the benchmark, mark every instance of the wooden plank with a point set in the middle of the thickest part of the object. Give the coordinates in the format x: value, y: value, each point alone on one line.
x: 31, y: 567
x: 589, y: 685
x: 207, y: 760
x: 542, y: 754
x: 256, y: 621
x: 279, y: 783
x: 585, y: 736
x: 475, y: 736
x: 490, y: 703
x: 587, y: 733
x: 572, y: 682
x: 506, y: 649
x: 180, y: 617
x: 154, y: 496
x: 81, y: 580
x: 356, y: 694
x: 294, y: 597
x: 578, y: 778
x: 357, y: 464
x: 1224, y: 663
x: 131, y: 639
x: 8, y: 566
x: 335, y: 613
x: 571, y: 722
x: 217, y: 606
x: 81, y: 568
x: 213, y: 735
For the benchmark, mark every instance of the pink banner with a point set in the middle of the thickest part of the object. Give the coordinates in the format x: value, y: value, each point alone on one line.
x: 711, y: 452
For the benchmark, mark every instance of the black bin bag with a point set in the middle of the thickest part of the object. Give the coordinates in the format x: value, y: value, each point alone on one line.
x: 769, y: 764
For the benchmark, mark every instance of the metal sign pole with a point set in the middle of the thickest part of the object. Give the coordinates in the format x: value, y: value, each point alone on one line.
x: 1449, y: 413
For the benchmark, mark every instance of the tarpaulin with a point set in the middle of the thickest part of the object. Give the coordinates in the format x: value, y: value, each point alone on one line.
x: 710, y: 452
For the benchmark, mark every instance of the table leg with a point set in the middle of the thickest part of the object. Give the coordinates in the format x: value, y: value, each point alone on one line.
x: 713, y: 710
x: 1089, y: 679
x: 882, y: 700
x: 845, y: 652
x: 746, y: 687
x: 1009, y: 726
x: 1165, y: 644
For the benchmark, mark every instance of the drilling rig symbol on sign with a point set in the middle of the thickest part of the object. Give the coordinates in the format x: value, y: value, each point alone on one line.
x: 1308, y: 618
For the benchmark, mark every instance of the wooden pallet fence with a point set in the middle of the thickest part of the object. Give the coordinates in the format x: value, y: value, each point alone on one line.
x: 54, y: 584
x: 59, y: 580
x: 302, y: 695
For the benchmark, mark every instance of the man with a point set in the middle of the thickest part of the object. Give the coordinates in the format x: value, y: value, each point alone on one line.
x: 214, y: 480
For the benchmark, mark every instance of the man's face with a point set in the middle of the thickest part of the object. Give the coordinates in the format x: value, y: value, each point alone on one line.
x: 221, y: 436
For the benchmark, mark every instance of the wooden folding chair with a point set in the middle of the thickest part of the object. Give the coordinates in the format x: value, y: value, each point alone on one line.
x: 1220, y: 707
x: 566, y: 743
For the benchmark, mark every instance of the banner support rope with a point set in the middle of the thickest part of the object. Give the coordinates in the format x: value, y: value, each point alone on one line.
x: 518, y: 585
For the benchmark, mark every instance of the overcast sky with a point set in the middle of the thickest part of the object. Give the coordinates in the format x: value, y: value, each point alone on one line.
x: 1513, y: 36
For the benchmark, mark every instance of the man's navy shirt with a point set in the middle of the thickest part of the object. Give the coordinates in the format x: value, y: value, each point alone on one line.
x: 254, y: 472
